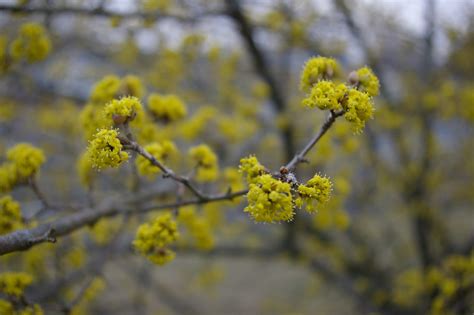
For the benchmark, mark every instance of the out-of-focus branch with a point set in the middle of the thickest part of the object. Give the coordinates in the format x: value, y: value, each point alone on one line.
x: 355, y: 30
x: 24, y: 239
x: 39, y: 194
x: 102, y: 12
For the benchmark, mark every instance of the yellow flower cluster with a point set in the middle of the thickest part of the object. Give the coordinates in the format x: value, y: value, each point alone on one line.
x: 196, y: 125
x: 153, y: 238
x: 105, y: 150
x: 367, y: 81
x: 358, y: 109
x: 7, y: 177
x: 133, y: 86
x: 316, y: 191
x: 23, y: 162
x: 318, y: 68
x: 206, y: 162
x: 122, y: 110
x: 105, y: 90
x: 92, y: 116
x: 326, y: 95
x: 32, y: 44
x: 161, y: 151
x: 354, y: 101
x: 10, y: 215
x: 199, y: 228
x: 7, y: 308
x: 441, y: 282
x: 26, y: 158
x: 270, y: 200
x: 252, y: 168
x: 14, y: 283
x: 273, y: 199
x: 166, y: 107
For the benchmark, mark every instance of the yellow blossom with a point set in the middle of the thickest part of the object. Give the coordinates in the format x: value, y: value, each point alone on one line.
x: 318, y: 68
x: 14, y: 283
x: 199, y: 228
x: 252, y: 168
x: 152, y: 239
x: 368, y: 82
x: 133, y: 86
x: 166, y: 107
x: 8, y: 177
x: 316, y: 191
x: 326, y: 95
x: 10, y: 215
x: 206, y: 162
x: 32, y: 44
x: 105, y: 90
x: 270, y: 200
x: 358, y: 109
x: 105, y: 150
x: 26, y: 159
x: 122, y: 110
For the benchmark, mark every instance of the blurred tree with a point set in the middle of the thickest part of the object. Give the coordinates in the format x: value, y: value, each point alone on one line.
x: 135, y: 134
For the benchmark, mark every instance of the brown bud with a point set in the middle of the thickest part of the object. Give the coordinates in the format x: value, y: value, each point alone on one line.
x: 119, y: 119
x: 329, y: 71
x: 353, y: 78
x: 283, y: 170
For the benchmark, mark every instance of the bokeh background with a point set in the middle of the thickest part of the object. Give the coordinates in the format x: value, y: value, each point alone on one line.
x: 397, y: 236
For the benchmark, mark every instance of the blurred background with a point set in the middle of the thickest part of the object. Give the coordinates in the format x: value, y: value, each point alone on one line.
x: 397, y: 236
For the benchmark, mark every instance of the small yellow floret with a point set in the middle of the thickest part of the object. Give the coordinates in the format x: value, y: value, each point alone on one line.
x: 326, y: 95
x: 318, y: 68
x: 14, y: 283
x: 8, y: 177
x: 32, y: 44
x: 26, y: 160
x: 198, y: 226
x: 368, y: 82
x: 105, y: 150
x: 122, y: 110
x: 358, y: 109
x: 270, y: 200
x: 206, y: 161
x: 10, y: 215
x: 316, y: 191
x: 166, y: 107
x: 252, y: 168
x: 105, y: 90
x: 133, y: 86
x: 152, y: 239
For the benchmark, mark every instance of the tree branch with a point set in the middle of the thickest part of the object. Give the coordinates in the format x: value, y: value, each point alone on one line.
x: 25, y: 239
x: 298, y: 158
x: 101, y: 12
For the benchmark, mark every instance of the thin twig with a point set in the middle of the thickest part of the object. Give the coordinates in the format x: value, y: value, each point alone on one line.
x: 167, y: 172
x: 298, y: 158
